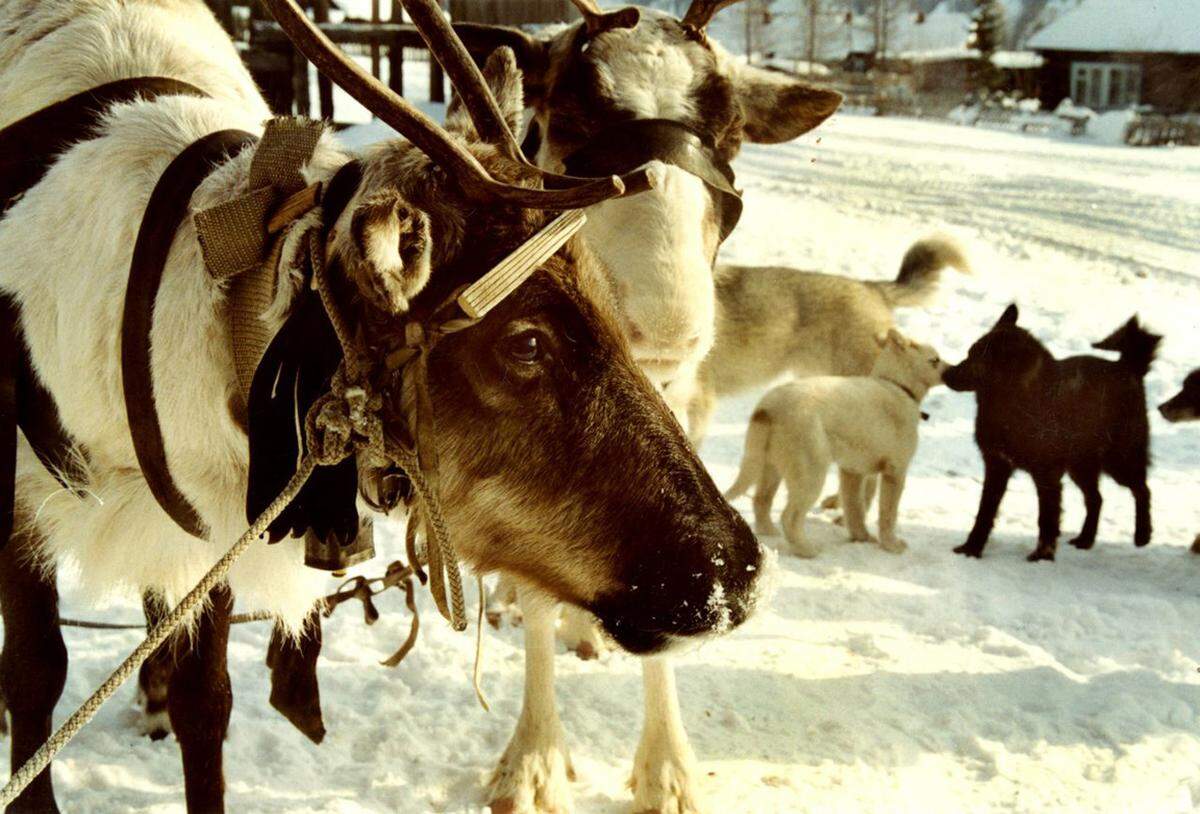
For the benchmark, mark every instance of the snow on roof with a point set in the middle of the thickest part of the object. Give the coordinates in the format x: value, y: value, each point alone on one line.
x: 1155, y: 26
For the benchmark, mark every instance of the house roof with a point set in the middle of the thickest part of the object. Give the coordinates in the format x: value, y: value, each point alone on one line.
x: 1153, y: 26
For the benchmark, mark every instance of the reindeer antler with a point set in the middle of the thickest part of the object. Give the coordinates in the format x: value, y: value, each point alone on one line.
x: 701, y: 12
x: 422, y: 131
x: 598, y: 21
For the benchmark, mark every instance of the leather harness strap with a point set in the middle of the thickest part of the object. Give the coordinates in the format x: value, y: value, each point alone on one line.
x: 30, y: 146
x: 168, y: 206
x: 635, y: 142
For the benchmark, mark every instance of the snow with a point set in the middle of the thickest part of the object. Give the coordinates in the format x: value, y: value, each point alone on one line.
x: 1155, y: 26
x: 923, y: 682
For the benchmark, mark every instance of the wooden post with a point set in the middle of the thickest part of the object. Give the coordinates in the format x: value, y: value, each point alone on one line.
x: 324, y: 86
x: 374, y: 47
x: 300, y: 84
x: 437, y: 82
x: 223, y: 9
x: 396, y: 54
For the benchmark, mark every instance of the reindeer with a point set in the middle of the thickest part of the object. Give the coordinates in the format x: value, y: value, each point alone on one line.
x: 615, y: 90
x: 544, y: 379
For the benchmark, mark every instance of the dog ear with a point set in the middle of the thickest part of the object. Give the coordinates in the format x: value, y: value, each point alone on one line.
x: 1009, y: 317
x: 293, y: 374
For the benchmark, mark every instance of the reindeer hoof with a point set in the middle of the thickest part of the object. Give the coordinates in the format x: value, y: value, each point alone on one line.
x: 668, y: 788
x: 532, y: 778
x: 893, y: 545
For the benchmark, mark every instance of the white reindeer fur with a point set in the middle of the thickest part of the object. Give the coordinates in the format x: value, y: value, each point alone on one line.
x: 67, y: 246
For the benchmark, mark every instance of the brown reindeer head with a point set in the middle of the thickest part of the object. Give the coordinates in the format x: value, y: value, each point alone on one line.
x: 558, y: 460
x: 623, y: 87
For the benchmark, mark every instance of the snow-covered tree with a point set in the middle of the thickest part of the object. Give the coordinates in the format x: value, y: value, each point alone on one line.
x: 987, y: 37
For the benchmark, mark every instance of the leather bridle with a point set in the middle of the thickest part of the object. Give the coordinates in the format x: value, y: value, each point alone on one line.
x: 630, y: 144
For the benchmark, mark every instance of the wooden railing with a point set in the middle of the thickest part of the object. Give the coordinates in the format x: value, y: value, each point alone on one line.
x: 271, y: 54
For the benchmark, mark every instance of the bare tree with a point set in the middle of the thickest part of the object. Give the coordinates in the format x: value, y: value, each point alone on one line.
x: 885, y: 15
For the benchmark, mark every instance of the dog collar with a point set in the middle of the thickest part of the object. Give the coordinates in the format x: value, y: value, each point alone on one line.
x: 908, y: 392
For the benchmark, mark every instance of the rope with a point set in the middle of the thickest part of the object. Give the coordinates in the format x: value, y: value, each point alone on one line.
x: 87, y: 624
x: 25, y: 775
x: 341, y: 423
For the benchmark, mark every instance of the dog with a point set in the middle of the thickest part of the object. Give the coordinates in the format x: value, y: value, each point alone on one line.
x: 1185, y: 406
x: 1081, y: 416
x: 774, y: 321
x: 867, y: 425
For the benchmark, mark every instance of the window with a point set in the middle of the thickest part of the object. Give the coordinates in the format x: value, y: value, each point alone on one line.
x: 1105, y: 85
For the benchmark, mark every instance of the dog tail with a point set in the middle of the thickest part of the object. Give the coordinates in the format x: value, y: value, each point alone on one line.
x: 754, y: 458
x: 1136, y: 345
x: 921, y: 270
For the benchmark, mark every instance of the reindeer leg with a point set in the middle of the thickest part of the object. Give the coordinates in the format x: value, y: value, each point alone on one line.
x: 295, y: 693
x: 33, y: 666
x: 154, y: 677
x: 535, y: 772
x: 665, y: 775
x: 199, y: 702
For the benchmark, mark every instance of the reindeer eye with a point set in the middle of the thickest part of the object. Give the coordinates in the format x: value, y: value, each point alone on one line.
x: 524, y: 347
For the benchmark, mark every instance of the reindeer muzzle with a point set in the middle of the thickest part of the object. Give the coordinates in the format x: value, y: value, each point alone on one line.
x: 634, y: 143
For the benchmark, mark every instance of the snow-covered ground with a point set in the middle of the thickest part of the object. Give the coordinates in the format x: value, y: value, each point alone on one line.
x: 923, y: 682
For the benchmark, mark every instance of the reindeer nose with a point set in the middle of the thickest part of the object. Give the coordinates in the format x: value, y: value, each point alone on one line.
x: 661, y: 340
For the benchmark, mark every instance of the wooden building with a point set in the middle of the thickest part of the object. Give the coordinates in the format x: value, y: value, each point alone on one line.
x: 1115, y: 54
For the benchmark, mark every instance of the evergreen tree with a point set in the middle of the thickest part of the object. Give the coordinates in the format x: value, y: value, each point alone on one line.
x: 987, y: 37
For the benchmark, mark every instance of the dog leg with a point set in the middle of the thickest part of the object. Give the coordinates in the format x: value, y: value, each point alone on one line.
x: 154, y: 676
x: 33, y: 666
x: 1142, y: 528
x: 700, y: 409
x: 1049, y: 490
x: 764, y: 496
x: 199, y: 702
x: 854, y: 512
x: 891, y: 488
x: 665, y: 775
x: 502, y: 604
x: 580, y: 632
x: 804, y: 488
x: 1089, y: 484
x: 533, y: 776
x: 996, y: 475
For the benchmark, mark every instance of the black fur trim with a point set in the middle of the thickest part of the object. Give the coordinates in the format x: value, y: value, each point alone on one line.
x: 293, y: 374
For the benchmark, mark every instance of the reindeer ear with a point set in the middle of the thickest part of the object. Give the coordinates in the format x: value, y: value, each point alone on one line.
x: 292, y: 375
x: 896, y: 338
x: 385, y: 249
x: 504, y: 80
x: 881, y: 339
x: 779, y: 108
x: 533, y: 54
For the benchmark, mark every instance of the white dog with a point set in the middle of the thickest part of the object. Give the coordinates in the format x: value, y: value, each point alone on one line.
x: 865, y: 424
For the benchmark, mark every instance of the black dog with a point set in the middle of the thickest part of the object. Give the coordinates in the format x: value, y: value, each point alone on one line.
x: 1185, y: 406
x: 1081, y: 416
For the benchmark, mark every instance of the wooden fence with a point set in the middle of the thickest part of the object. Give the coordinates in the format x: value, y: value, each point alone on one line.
x: 284, y: 75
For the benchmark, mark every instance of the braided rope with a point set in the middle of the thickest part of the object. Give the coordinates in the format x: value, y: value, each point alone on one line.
x: 341, y: 423
x: 25, y: 775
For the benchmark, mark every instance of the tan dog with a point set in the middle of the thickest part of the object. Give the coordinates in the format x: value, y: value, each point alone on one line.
x: 775, y: 321
x: 867, y: 425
